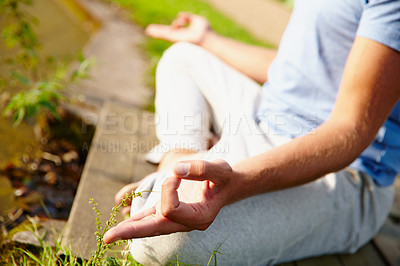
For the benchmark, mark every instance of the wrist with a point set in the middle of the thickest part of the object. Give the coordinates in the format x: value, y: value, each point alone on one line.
x: 236, y: 188
x: 208, y: 37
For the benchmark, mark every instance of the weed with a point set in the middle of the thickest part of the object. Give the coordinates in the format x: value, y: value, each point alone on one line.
x: 102, y: 247
x: 33, y: 91
x: 45, y: 254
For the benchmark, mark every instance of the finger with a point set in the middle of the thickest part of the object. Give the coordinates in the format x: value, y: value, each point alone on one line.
x: 187, y: 16
x: 190, y: 215
x: 146, y: 213
x: 157, y: 225
x: 169, y: 195
x: 126, y: 210
x: 179, y: 22
x: 159, y: 31
x: 125, y: 190
x: 114, y: 234
x: 182, y: 19
x: 201, y: 170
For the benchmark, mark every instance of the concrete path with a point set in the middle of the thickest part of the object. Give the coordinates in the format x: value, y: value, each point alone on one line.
x: 116, y: 157
x: 113, y: 98
x: 265, y: 19
x: 121, y: 67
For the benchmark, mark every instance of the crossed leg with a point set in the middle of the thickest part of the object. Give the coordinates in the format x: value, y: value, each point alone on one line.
x: 336, y: 213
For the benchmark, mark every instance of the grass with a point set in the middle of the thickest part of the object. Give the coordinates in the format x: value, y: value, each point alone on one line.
x: 288, y: 3
x: 164, y: 11
x: 15, y: 253
x: 145, y: 12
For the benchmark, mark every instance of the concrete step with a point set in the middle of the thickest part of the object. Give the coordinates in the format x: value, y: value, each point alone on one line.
x: 115, y: 158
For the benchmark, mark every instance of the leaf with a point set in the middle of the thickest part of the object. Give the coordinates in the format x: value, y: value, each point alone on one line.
x: 19, y: 116
x: 31, y: 109
x: 52, y: 108
x: 83, y: 69
x: 9, y: 34
x: 111, y: 261
x: 8, y: 108
x: 48, y: 86
x: 21, y: 78
x: 30, y: 255
x: 13, y: 104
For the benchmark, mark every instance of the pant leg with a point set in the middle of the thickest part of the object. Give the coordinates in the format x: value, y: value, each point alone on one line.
x: 337, y: 213
x: 194, y: 90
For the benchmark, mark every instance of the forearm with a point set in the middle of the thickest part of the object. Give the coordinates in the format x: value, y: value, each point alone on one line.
x: 368, y: 92
x: 251, y: 60
x: 333, y: 146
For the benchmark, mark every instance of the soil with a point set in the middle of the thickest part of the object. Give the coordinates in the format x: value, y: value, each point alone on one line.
x: 45, y: 186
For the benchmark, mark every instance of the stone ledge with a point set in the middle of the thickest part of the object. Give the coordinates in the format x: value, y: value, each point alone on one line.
x: 113, y: 161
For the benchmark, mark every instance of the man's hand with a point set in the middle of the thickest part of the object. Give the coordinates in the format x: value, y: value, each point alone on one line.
x: 185, y: 28
x: 190, y: 200
x: 250, y: 60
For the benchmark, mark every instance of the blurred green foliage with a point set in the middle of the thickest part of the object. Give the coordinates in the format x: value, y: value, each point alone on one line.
x: 18, y: 33
x: 164, y: 11
x: 289, y: 3
x: 33, y: 88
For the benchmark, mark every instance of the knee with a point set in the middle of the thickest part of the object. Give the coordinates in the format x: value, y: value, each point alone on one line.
x: 179, y: 55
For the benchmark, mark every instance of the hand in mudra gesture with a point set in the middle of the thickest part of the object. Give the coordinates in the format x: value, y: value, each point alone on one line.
x: 190, y: 200
x: 186, y: 27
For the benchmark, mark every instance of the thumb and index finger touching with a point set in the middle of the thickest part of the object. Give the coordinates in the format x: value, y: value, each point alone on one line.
x: 182, y: 214
x: 201, y: 170
x: 172, y: 32
x: 182, y: 19
x: 193, y: 215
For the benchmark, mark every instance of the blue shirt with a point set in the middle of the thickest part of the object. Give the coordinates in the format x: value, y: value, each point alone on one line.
x: 304, y: 78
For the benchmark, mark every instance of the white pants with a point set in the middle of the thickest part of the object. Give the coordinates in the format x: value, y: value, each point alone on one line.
x: 337, y: 213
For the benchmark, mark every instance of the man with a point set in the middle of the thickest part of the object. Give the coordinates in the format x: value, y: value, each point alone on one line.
x: 274, y: 188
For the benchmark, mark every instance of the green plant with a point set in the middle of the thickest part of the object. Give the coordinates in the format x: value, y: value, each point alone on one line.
x: 58, y: 255
x: 163, y: 12
x: 19, y: 35
x: 35, y: 88
x: 44, y: 94
x: 102, y: 247
x: 45, y: 254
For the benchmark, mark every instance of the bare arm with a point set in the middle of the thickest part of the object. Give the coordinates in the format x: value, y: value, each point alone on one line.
x: 369, y: 90
x: 251, y: 60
